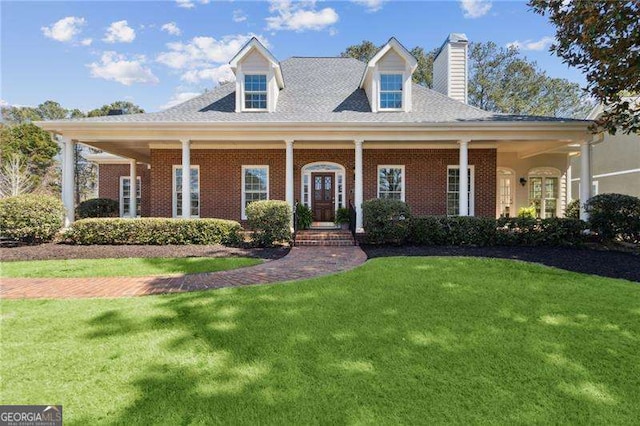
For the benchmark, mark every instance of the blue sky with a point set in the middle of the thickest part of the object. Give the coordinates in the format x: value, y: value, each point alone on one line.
x: 84, y: 54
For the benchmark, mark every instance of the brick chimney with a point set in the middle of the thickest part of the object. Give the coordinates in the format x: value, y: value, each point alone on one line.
x: 450, y: 73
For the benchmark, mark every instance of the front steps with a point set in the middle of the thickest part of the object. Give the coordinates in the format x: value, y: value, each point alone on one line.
x: 324, y: 237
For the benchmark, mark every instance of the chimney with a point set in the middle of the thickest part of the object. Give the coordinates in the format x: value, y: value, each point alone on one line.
x: 115, y: 112
x: 450, y: 67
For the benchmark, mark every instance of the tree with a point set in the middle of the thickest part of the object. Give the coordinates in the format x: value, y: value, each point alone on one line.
x: 126, y: 107
x: 15, y: 177
x: 362, y: 52
x: 32, y: 144
x: 602, y: 39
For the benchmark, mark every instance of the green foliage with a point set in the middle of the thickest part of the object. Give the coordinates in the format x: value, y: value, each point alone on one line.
x: 270, y: 221
x: 602, y: 39
x: 30, y: 218
x: 527, y: 212
x: 615, y: 216
x: 98, y: 207
x: 154, y: 231
x: 342, y: 215
x: 573, y: 210
x: 362, y: 52
x: 304, y: 216
x: 386, y: 221
x: 540, y: 232
x: 126, y: 107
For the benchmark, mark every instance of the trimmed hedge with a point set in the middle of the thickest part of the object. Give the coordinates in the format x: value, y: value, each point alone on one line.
x: 31, y: 218
x: 270, y: 221
x: 386, y: 221
x: 154, y: 231
x: 98, y: 207
x: 615, y: 216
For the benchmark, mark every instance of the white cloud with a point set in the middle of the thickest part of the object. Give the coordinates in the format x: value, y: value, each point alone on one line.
x: 4, y: 103
x: 179, y: 98
x: 190, y: 4
x: 239, y: 16
x: 119, y: 31
x: 86, y: 42
x: 65, y: 29
x: 171, y: 28
x: 299, y: 16
x: 475, y: 8
x: 216, y: 75
x: 116, y: 67
x: 204, y: 51
x: 537, y: 45
x: 370, y: 5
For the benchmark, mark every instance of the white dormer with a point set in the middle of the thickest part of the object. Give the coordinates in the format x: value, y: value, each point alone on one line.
x: 387, y: 78
x: 258, y: 78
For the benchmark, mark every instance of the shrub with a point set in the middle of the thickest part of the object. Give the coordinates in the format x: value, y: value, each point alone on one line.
x: 342, y: 215
x: 527, y: 212
x: 540, y: 232
x: 270, y: 220
x: 304, y: 216
x: 386, y: 221
x: 98, y: 207
x: 615, y: 216
x: 154, y: 231
x: 31, y: 218
x: 428, y: 231
x: 573, y: 210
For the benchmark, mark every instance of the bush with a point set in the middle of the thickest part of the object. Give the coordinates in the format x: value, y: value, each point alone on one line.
x: 154, y: 231
x: 615, y: 216
x: 98, y: 207
x: 540, y: 232
x: 304, y: 216
x: 342, y: 215
x: 31, y: 218
x: 527, y: 212
x: 386, y: 221
x: 573, y: 210
x: 270, y: 220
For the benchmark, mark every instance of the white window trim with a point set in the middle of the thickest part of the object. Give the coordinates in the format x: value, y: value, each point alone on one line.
x: 244, y: 195
x: 544, y: 173
x: 121, y: 194
x: 402, y: 91
x: 472, y: 194
x: 245, y: 92
x: 174, y: 198
x: 336, y: 168
x: 402, y: 182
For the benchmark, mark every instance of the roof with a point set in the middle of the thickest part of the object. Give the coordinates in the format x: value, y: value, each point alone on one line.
x: 320, y: 90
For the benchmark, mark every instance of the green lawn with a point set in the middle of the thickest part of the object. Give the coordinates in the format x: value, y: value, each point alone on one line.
x: 398, y: 340
x: 127, y: 267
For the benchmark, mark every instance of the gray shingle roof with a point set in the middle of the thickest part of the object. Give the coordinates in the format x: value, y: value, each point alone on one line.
x: 321, y: 90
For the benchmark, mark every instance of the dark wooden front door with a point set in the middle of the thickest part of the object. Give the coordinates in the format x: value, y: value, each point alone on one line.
x: 323, y: 197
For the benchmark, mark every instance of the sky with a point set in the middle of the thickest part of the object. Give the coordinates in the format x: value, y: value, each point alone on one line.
x: 84, y: 54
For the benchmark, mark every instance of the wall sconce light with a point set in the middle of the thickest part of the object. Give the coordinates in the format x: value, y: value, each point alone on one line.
x: 523, y: 181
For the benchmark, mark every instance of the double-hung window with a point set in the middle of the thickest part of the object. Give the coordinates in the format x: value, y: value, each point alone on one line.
x: 125, y: 196
x: 390, y: 91
x: 255, y: 185
x: 391, y: 182
x: 255, y: 91
x: 194, y: 184
x: 453, y: 190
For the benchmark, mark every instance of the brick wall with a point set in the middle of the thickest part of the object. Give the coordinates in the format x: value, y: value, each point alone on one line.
x: 221, y: 177
x: 109, y: 183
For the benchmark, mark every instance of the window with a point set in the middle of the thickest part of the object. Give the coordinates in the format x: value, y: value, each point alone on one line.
x: 195, y: 191
x: 391, y: 182
x: 255, y: 185
x: 453, y: 191
x: 544, y: 191
x: 390, y: 91
x: 125, y: 196
x: 255, y: 91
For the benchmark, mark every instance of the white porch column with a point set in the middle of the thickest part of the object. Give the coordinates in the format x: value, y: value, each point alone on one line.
x: 289, y: 173
x: 133, y: 189
x: 569, y: 189
x: 585, y: 177
x: 68, y: 180
x: 463, y: 209
x: 358, y: 190
x: 186, y: 178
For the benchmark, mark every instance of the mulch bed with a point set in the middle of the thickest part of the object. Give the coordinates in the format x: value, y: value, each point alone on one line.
x: 63, y: 251
x: 596, y: 262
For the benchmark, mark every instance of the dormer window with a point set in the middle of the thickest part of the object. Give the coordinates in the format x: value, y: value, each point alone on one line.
x: 255, y: 91
x: 391, y: 91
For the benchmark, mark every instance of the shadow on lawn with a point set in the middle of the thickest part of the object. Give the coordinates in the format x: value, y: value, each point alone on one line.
x: 353, y: 353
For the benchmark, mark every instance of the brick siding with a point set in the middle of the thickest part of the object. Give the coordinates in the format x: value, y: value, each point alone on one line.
x: 109, y: 183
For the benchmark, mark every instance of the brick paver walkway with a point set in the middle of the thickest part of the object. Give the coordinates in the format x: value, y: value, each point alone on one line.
x: 300, y: 263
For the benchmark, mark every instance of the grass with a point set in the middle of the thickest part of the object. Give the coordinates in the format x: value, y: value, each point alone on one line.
x: 126, y: 267
x: 398, y: 340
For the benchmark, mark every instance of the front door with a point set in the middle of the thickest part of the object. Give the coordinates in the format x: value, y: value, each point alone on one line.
x: 323, y: 200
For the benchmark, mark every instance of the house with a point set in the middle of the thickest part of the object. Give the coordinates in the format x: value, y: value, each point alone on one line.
x: 615, y: 163
x: 327, y: 132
